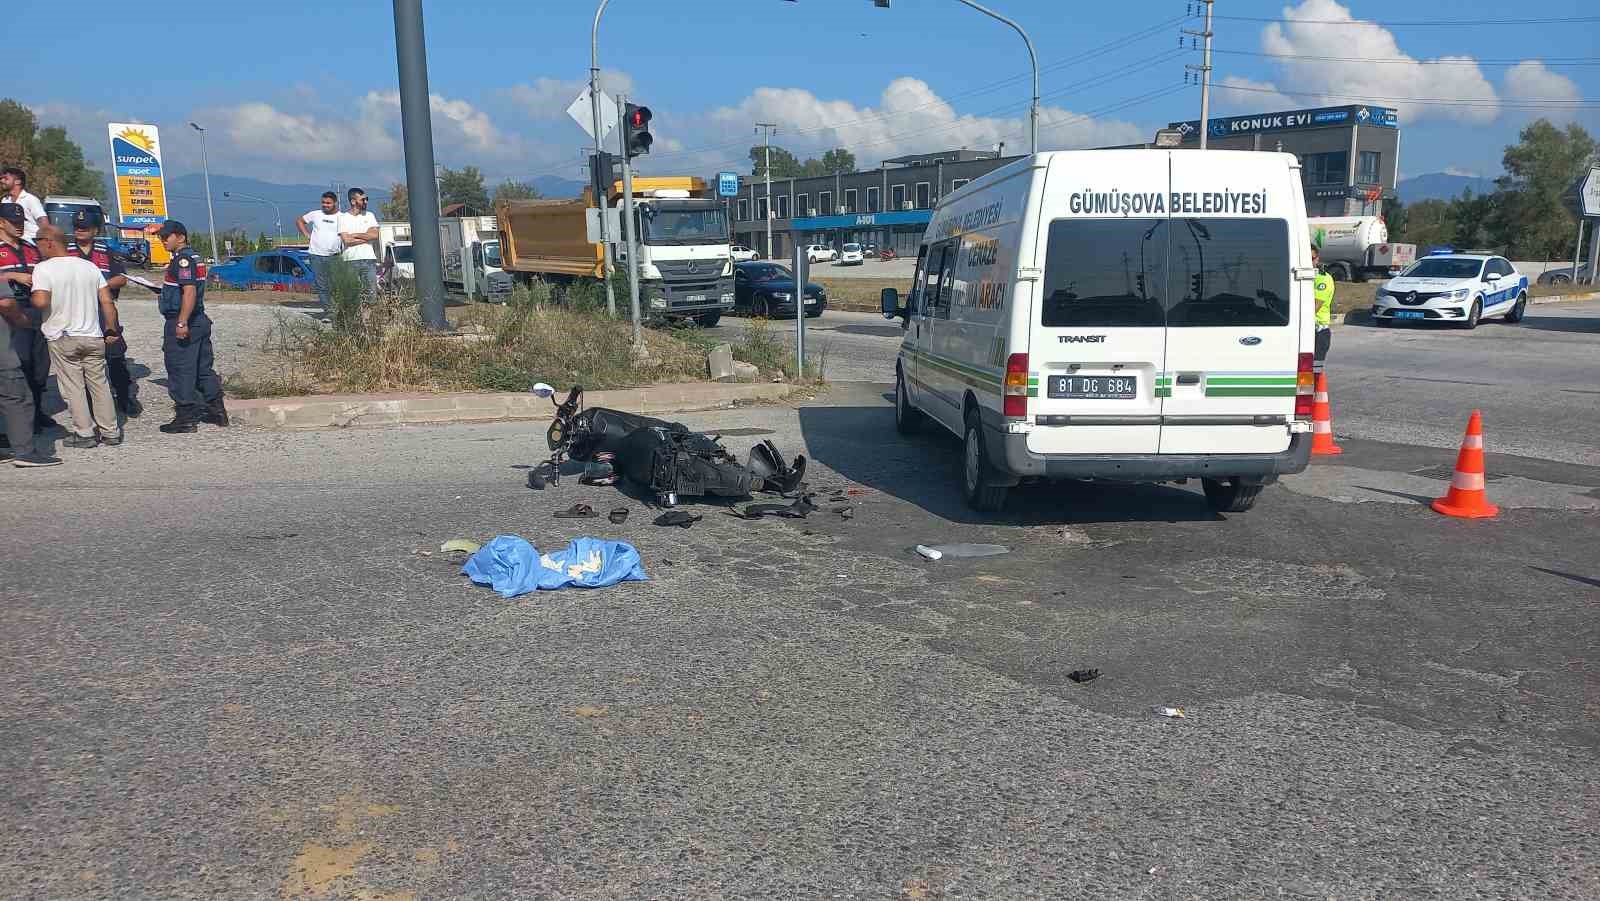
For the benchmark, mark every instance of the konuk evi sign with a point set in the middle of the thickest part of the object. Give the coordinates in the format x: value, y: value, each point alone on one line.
x: 136, y: 166
x: 1320, y: 117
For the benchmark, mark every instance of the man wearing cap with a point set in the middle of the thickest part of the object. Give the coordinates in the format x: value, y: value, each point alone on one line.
x: 74, y: 293
x: 18, y: 256
x: 186, y: 336
x: 86, y: 243
x: 1322, y: 291
x: 14, y: 189
x: 320, y: 227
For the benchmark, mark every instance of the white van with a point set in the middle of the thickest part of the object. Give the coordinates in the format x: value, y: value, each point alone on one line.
x: 1128, y: 315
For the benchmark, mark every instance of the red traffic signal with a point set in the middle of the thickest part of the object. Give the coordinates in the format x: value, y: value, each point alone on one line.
x: 636, y: 129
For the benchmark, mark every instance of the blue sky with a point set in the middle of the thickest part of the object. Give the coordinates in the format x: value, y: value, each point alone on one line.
x: 301, y: 92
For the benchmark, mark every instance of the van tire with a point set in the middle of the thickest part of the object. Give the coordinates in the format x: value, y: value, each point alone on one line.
x: 1230, y: 496
x: 976, y: 468
x: 907, y: 418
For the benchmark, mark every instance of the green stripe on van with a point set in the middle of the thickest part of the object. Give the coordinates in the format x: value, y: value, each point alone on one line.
x: 1251, y: 391
x: 1250, y: 380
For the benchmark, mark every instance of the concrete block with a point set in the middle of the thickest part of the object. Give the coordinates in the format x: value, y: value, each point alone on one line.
x: 719, y: 363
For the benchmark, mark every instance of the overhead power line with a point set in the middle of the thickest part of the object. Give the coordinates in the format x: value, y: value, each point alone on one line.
x: 1441, y: 23
x: 1548, y: 61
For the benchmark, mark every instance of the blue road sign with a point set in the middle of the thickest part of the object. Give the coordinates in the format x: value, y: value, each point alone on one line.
x: 728, y: 184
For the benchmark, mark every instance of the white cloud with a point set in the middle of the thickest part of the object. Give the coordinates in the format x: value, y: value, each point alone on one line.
x: 1457, y: 170
x: 909, y: 118
x: 1371, y: 67
x: 1249, y: 96
x: 1529, y: 80
x: 548, y: 98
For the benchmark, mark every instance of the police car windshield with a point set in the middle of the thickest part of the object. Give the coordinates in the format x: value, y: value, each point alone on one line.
x: 1443, y: 267
x: 1179, y: 273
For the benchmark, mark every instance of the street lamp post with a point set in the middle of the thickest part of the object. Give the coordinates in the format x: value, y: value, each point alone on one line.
x: 1033, y: 108
x: 277, y: 215
x: 211, y: 215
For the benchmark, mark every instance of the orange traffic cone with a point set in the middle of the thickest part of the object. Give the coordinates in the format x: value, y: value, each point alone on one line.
x: 1322, y: 421
x: 1467, y: 498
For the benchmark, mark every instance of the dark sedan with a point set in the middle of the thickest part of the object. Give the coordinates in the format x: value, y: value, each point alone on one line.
x: 767, y: 289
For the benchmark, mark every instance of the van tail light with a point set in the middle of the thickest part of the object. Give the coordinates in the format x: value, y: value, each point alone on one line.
x: 1305, y: 386
x: 1016, y: 387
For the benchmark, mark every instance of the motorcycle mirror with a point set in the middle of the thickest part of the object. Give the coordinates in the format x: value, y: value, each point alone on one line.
x: 542, y: 390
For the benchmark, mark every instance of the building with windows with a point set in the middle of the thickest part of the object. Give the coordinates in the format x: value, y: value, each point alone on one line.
x: 1349, y: 157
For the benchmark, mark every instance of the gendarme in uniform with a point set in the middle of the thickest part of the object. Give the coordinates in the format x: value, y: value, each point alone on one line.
x: 186, y: 337
x: 98, y: 253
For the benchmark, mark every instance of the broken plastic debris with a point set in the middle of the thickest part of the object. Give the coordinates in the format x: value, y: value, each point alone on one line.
x: 1175, y: 713
x: 1087, y: 675
x: 965, y: 550
x: 460, y: 545
x: 929, y: 552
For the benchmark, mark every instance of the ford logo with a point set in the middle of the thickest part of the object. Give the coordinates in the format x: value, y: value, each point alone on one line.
x: 1250, y: 341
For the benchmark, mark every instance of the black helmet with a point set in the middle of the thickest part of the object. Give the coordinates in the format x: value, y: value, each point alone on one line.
x: 87, y: 218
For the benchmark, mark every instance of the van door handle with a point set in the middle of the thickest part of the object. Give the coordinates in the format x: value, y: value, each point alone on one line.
x: 1188, y: 378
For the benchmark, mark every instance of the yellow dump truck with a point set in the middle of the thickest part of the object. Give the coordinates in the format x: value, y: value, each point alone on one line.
x: 685, y: 266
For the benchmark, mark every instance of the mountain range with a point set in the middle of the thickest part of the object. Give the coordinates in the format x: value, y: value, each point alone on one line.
x: 1441, y: 186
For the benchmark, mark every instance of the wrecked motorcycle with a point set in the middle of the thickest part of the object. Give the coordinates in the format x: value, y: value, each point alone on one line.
x: 665, y: 458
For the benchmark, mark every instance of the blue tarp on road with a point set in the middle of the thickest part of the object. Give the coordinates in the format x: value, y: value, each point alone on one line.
x: 512, y: 566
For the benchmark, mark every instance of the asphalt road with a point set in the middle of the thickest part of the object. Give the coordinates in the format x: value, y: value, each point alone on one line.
x: 1538, y: 383
x: 237, y: 666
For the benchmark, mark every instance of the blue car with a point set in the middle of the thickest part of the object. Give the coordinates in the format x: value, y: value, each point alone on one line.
x: 268, y: 270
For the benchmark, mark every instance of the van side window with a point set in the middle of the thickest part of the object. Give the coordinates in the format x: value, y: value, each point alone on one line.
x: 913, y: 303
x: 947, y: 281
x: 1109, y: 273
x: 1229, y: 272
x: 933, y: 276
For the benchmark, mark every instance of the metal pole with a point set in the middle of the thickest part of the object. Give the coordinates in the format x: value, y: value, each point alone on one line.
x: 770, y: 127
x: 1205, y: 74
x: 802, y: 274
x: 277, y: 214
x: 1594, y: 250
x: 606, y: 264
x: 411, y: 55
x: 1033, y: 108
x: 630, y: 228
x: 1577, y: 248
x: 211, y: 215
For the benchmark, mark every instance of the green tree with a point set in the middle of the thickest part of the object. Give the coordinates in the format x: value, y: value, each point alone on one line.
x: 1429, y: 223
x: 1473, y: 215
x: 511, y: 189
x: 55, y: 165
x: 398, y: 206
x: 464, y: 186
x: 265, y: 241
x: 784, y: 163
x: 1395, y: 215
x: 1531, y: 220
x: 838, y: 160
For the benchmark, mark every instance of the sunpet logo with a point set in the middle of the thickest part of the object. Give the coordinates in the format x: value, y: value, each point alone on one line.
x: 1081, y: 339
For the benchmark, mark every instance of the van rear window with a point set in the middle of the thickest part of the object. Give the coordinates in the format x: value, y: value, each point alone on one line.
x: 1133, y: 273
x: 1105, y: 273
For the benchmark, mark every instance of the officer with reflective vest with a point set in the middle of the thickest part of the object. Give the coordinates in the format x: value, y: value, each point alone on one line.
x: 86, y: 243
x: 186, y: 336
x: 17, y: 259
x: 1322, y: 290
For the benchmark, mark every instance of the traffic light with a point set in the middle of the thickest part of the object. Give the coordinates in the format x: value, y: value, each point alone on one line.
x: 636, y: 133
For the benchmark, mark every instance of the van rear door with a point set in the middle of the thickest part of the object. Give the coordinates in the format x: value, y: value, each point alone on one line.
x: 1233, y: 313
x: 1098, y: 337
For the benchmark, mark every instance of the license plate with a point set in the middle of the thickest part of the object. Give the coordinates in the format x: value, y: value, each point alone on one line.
x: 1094, y: 387
x: 696, y: 298
x: 1409, y: 314
x: 811, y: 300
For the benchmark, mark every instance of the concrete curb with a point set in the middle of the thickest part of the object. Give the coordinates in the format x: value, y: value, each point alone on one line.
x: 340, y: 411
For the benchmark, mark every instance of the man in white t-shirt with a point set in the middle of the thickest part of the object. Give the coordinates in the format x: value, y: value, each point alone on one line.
x: 14, y: 189
x: 321, y: 228
x: 358, y: 229
x: 74, y: 292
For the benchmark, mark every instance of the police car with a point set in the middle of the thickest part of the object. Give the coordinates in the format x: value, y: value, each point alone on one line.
x: 1461, y: 288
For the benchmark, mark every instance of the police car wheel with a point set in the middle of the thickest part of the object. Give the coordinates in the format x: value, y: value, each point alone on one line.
x: 1519, y: 310
x: 907, y: 419
x: 1230, y: 496
x: 1475, y: 315
x: 975, y: 470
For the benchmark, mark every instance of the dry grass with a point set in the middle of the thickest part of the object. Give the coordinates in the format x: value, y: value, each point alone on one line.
x: 859, y: 295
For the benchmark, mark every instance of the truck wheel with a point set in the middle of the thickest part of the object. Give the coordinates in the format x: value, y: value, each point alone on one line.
x: 907, y: 418
x: 708, y: 320
x: 1230, y: 496
x: 975, y: 470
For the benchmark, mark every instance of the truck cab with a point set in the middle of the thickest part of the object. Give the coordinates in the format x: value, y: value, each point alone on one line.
x: 685, y: 262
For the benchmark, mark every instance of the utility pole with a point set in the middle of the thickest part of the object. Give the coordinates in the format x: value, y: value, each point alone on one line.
x: 211, y: 216
x: 603, y: 200
x: 770, y: 128
x: 416, y: 126
x: 1205, y: 75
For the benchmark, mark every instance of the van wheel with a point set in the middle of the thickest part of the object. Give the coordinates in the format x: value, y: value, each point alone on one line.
x: 907, y: 419
x: 1230, y: 496
x: 1519, y: 310
x: 975, y: 471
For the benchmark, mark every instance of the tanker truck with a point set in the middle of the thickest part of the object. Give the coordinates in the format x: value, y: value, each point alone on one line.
x: 685, y: 266
x: 1355, y: 248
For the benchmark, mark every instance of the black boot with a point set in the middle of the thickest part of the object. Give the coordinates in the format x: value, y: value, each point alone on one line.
x: 180, y: 424
x: 217, y: 415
